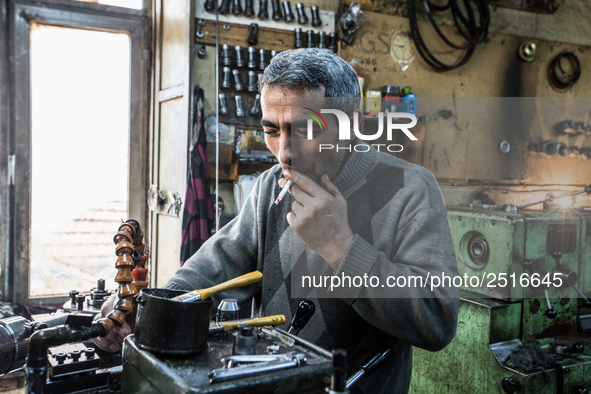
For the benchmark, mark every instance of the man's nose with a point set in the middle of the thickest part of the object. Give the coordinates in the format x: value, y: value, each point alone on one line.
x: 285, y: 148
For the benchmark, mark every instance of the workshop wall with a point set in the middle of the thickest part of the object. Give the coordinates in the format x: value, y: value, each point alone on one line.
x: 460, y: 146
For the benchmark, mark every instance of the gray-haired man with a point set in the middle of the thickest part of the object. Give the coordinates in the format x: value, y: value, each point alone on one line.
x: 352, y: 213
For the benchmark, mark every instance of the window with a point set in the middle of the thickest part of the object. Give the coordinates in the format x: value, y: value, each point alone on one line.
x: 79, y: 152
x: 80, y: 129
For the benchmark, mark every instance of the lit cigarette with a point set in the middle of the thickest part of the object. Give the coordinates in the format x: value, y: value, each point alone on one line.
x: 283, y: 192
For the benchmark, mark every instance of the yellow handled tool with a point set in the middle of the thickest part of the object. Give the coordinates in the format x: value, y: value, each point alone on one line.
x: 199, y: 295
x: 225, y: 326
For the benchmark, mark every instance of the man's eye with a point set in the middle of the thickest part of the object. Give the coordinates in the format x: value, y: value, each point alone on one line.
x: 271, y: 132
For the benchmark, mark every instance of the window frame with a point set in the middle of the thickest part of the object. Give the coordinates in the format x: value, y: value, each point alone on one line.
x: 72, y: 14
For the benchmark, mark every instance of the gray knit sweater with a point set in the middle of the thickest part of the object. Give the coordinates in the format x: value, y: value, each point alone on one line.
x: 397, y: 214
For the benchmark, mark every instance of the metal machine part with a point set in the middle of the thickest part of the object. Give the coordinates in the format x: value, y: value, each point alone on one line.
x: 244, y: 341
x: 302, y: 316
x: 316, y: 16
x: 255, y: 110
x: 226, y: 55
x: 14, y: 338
x: 252, y: 63
x: 505, y: 147
x: 202, y: 52
x: 574, y: 151
x: 298, y: 36
x: 311, y: 43
x: 339, y: 372
x: 240, y: 62
x: 228, y: 309
x: 190, y: 374
x: 534, y: 147
x: 581, y: 128
x: 210, y: 5
x: 332, y: 43
x: 253, y: 38
x: 237, y: 82
x: 527, y: 51
x: 561, y: 149
x: 302, y: 17
x: 226, y: 82
x: 225, y: 374
x: 236, y: 7
x: 566, y: 127
x: 223, y: 104
x: 549, y: 147
x: 263, y: 13
x: 80, y: 298
x: 262, y: 59
x: 249, y: 8
x: 225, y: 7
x: 252, y: 81
x: 98, y: 295
x: 287, y: 12
x: 239, y: 110
x: 73, y: 294
x: 322, y: 40
x: 238, y: 360
x: 277, y: 14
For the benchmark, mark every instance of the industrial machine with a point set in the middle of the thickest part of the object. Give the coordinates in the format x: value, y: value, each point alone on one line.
x: 525, y: 314
x: 175, y: 347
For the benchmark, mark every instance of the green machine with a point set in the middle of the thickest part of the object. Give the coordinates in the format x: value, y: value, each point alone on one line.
x: 525, y: 317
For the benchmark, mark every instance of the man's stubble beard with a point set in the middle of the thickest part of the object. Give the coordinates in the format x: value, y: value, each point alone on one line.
x: 330, y: 163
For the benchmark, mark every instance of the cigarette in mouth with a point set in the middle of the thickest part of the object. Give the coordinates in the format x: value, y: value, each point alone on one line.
x: 283, y: 192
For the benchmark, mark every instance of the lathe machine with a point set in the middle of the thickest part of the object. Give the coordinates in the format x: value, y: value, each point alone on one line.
x: 175, y: 348
x: 525, y: 316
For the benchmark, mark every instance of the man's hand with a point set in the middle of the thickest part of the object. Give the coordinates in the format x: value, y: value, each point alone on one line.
x: 319, y: 217
x: 113, y: 341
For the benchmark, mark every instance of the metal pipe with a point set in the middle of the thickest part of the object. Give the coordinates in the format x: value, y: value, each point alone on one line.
x: 41, y: 340
x: 587, y: 190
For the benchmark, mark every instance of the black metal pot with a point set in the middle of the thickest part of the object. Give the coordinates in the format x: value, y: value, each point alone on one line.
x: 170, y: 327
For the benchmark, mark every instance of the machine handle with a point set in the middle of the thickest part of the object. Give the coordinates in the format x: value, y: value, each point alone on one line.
x: 370, y: 365
x: 378, y: 358
x: 199, y: 295
x: 303, y: 314
x: 274, y: 320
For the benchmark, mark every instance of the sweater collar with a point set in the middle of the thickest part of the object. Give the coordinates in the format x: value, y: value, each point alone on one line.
x: 356, y: 166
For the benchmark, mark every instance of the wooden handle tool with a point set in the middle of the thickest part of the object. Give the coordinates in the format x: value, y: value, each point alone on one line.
x: 225, y: 326
x: 199, y: 295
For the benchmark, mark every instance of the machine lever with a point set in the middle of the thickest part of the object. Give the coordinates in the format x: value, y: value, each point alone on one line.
x: 582, y: 295
x: 370, y: 365
x: 303, y: 314
x: 550, y: 313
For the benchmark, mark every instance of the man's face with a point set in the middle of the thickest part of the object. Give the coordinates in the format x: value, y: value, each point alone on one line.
x: 287, y: 138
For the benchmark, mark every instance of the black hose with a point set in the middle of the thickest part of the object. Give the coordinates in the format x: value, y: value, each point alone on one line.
x: 565, y: 81
x: 473, y: 31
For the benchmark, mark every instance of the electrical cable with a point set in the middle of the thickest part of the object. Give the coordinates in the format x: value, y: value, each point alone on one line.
x: 477, y: 31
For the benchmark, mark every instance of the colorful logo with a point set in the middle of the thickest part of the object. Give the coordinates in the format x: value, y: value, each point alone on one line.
x: 315, y: 116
